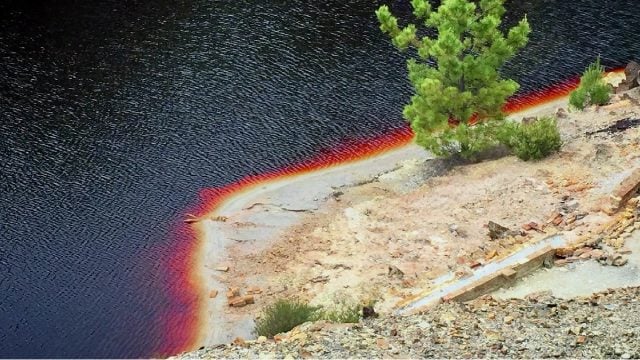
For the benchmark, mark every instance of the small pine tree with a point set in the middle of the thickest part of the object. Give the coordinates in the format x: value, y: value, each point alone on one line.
x: 455, y: 75
x: 592, y: 89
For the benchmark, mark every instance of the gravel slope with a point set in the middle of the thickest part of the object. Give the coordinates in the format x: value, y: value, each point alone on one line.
x: 605, y: 325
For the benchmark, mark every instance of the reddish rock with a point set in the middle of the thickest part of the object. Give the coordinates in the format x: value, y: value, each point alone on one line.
x: 237, y: 302
x: 491, y: 254
x: 408, y: 283
x: 557, y: 220
x: 254, y: 291
x: 585, y: 255
x: 561, y: 262
x: 581, y: 251
x: 564, y: 252
x: 382, y: 344
x: 278, y: 338
x: 535, y: 226
x: 232, y: 293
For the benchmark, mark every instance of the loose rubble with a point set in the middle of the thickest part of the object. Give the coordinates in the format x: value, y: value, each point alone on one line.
x: 604, y: 325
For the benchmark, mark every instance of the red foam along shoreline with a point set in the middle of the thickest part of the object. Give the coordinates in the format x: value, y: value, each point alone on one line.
x: 182, y: 323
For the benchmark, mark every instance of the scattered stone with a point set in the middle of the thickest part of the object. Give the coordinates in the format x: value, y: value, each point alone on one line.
x: 279, y: 338
x: 560, y: 262
x: 395, y: 272
x: 368, y: 312
x: 468, y: 335
x: 213, y: 293
x: 409, y: 283
x: 382, y: 343
x: 233, y: 292
x: 557, y: 220
x: 585, y: 255
x: 619, y: 261
x: 533, y: 226
x: 561, y: 113
x: 191, y: 219
x: 237, y: 302
x: 632, y: 74
x: 491, y: 254
x: 497, y: 231
x: 581, y: 251
x: 320, y: 279
x: 564, y: 252
x: 581, y: 215
x: 254, y: 291
x: 222, y: 268
x: 575, y: 330
x: 628, y: 187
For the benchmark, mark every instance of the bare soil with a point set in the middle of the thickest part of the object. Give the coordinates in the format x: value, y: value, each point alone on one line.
x: 390, y: 238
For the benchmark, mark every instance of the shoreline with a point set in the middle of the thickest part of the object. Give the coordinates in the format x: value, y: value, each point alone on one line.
x: 272, y: 190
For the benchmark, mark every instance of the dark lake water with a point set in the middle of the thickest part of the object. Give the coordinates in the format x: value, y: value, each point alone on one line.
x: 114, y: 115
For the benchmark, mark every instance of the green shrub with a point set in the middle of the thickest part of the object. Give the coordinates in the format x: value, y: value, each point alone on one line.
x: 531, y: 141
x: 284, y: 315
x: 344, y: 312
x: 592, y: 88
x: 472, y: 140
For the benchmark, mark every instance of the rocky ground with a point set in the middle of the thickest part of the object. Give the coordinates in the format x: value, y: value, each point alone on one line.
x: 604, y: 325
x: 390, y: 238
